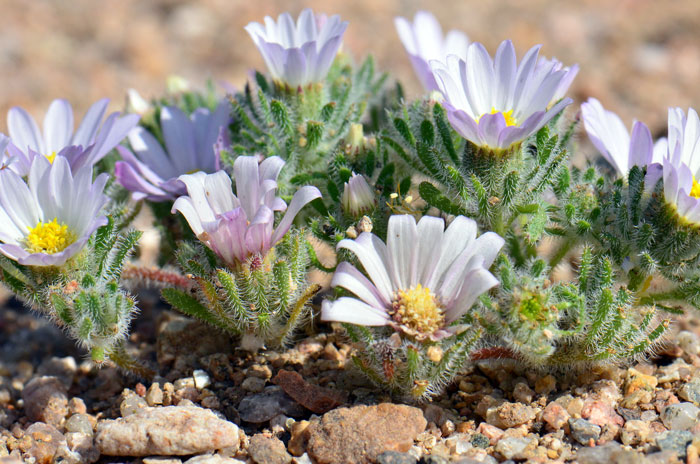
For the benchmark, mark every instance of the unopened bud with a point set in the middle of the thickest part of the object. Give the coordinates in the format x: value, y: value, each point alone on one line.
x: 358, y: 197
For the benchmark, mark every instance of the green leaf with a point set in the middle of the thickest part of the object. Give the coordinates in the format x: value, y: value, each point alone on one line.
x: 435, y: 198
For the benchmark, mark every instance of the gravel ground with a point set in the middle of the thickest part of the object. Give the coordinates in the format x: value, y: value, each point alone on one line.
x: 211, y: 402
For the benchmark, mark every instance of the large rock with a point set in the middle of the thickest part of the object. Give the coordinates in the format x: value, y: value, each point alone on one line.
x: 165, y: 431
x: 359, y: 434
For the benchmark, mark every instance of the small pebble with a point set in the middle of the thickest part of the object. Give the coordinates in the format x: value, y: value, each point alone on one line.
x: 516, y: 448
x: 394, y: 457
x: 79, y: 423
x: 201, y: 379
x: 681, y: 416
x: 253, y: 384
x: 154, y: 395
x: 676, y: 441
x: 583, y: 431
x: 545, y: 385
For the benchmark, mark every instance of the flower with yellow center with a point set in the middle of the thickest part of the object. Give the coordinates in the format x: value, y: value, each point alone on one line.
x: 681, y: 165
x: 47, y: 219
x: 421, y: 282
x: 496, y: 103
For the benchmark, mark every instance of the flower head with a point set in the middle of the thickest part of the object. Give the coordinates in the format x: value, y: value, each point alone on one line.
x: 87, y: 145
x: 151, y: 170
x: 609, y: 135
x: 49, y: 218
x: 421, y: 281
x: 424, y: 41
x: 681, y: 166
x: 358, y: 197
x: 298, y: 54
x: 497, y: 103
x: 238, y: 226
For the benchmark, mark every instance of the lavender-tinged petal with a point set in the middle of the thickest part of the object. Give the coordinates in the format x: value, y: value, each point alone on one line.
x: 402, y: 238
x: 352, y: 280
x: 566, y: 82
x: 246, y: 173
x: 187, y: 208
x: 257, y: 237
x: 17, y: 200
x: 178, y: 132
x: 13, y: 251
x: 270, y: 168
x: 607, y: 133
x: 490, y: 128
x: 476, y: 282
x: 86, y: 132
x: 406, y: 35
x: 303, y: 196
x: 430, y: 231
x: 654, y: 174
x: 428, y: 34
x: 660, y: 150
x: 464, y: 124
x: 505, y: 69
x: 9, y: 231
x: 525, y: 71
x: 480, y: 79
x: 23, y: 131
x: 424, y: 73
x: 20, y: 162
x: 306, y: 30
x: 275, y: 57
x: 449, y: 86
x: 458, y: 236
x: 111, y: 135
x: 151, y: 153
x: 58, y: 126
x: 353, y: 311
x: 372, y: 254
x: 128, y: 178
x: 142, y: 169
x: 295, y: 72
x: 641, y: 145
x: 456, y: 43
x: 513, y: 134
x: 670, y: 182
x: 217, y: 192
x: 285, y: 29
x: 540, y: 98
x: 317, y: 62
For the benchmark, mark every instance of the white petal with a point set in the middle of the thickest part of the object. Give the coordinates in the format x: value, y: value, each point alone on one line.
x: 353, y: 311
x: 402, y: 241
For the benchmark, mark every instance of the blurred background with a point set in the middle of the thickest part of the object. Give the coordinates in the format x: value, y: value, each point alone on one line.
x: 637, y: 56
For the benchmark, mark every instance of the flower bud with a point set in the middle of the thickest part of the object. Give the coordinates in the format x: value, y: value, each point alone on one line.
x: 358, y: 197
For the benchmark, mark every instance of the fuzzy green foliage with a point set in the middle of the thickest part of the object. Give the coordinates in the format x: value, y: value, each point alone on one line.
x: 416, y: 371
x: 303, y: 126
x: 265, y: 298
x: 84, y: 297
x: 530, y: 193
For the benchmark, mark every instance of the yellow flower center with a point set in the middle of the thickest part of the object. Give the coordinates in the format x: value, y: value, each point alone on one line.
x: 51, y: 157
x: 695, y: 190
x: 49, y: 237
x: 507, y: 115
x: 417, y: 308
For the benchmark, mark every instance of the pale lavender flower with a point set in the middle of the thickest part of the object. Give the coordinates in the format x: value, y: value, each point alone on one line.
x: 238, y: 226
x: 151, y: 171
x: 609, y: 135
x: 87, y: 145
x: 49, y: 218
x: 681, y: 165
x: 497, y: 103
x: 424, y: 41
x: 301, y: 53
x: 421, y: 281
x: 358, y: 197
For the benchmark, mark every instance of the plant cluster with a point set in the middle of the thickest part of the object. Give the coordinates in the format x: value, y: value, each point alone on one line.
x: 462, y: 230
